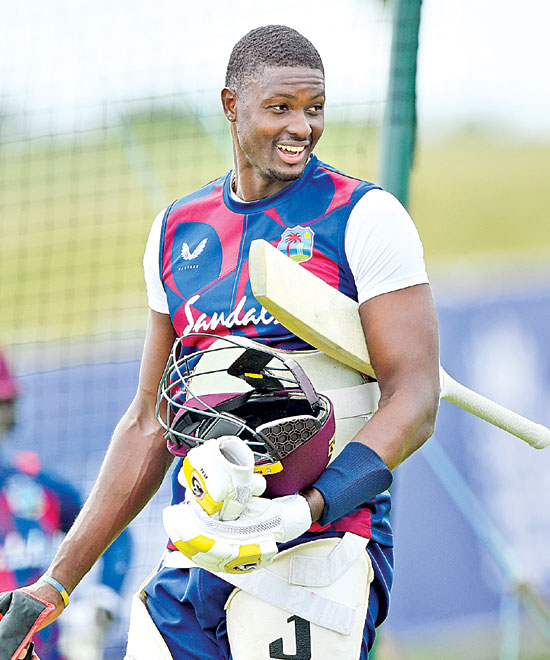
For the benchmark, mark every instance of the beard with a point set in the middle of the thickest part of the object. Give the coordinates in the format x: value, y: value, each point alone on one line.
x: 286, y: 177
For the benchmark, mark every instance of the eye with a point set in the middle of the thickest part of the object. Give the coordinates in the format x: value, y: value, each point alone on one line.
x: 316, y: 109
x: 279, y: 107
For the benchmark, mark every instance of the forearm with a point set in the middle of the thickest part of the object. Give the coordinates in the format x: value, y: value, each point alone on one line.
x: 401, y: 425
x: 132, y: 471
x: 402, y: 335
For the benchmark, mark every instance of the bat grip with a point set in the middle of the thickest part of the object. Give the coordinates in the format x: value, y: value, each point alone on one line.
x: 536, y: 435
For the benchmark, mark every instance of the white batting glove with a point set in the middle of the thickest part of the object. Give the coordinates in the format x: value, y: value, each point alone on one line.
x: 238, y: 546
x: 220, y: 475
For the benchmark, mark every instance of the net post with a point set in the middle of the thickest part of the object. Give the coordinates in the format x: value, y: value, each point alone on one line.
x: 399, y: 125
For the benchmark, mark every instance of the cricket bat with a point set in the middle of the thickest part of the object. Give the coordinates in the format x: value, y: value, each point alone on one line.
x: 329, y: 320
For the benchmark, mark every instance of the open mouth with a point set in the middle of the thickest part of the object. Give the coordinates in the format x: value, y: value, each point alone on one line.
x: 290, y: 153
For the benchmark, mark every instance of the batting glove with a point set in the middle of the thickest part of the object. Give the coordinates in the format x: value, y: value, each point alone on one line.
x: 238, y: 546
x: 21, y: 616
x: 220, y: 475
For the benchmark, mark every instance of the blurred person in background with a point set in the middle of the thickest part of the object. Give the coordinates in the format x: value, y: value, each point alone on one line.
x: 37, y: 509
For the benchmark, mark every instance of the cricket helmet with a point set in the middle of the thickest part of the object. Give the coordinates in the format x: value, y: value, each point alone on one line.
x: 242, y: 388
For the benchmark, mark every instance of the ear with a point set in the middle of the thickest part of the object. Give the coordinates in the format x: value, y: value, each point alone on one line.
x: 229, y: 103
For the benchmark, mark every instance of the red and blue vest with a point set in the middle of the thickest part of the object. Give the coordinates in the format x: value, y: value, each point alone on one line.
x: 205, y: 241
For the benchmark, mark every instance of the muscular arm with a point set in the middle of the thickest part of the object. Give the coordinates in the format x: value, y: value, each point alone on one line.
x: 132, y: 471
x: 402, y: 336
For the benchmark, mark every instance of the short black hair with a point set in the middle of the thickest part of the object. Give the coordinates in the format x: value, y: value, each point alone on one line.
x: 269, y: 46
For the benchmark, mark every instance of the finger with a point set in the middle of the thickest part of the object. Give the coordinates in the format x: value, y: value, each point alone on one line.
x: 259, y: 484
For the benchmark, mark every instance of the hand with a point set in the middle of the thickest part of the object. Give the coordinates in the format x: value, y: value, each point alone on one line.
x: 220, y: 475
x: 23, y: 612
x: 239, y: 546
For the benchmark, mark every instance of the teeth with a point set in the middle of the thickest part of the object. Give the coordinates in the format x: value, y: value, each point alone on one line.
x: 288, y: 147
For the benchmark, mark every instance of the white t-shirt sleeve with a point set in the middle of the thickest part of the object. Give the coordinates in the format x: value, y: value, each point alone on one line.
x: 383, y: 247
x: 156, y: 295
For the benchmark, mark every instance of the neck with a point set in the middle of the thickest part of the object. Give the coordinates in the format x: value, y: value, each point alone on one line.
x: 250, y: 186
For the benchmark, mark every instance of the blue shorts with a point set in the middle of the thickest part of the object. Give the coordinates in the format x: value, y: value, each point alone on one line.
x: 187, y: 606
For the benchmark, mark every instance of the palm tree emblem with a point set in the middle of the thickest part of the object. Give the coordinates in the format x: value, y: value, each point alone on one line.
x: 291, y: 239
x: 297, y: 243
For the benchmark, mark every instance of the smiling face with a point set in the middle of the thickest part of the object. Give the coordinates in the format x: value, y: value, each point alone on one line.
x: 277, y: 120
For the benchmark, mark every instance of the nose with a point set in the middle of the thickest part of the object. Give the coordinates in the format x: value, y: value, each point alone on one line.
x: 299, y: 127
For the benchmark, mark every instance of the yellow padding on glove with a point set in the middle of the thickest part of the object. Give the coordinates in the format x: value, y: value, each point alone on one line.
x: 195, y: 545
x: 198, y: 488
x: 247, y: 561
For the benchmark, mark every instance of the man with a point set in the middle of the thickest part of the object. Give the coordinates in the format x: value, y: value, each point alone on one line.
x: 354, y: 236
x: 37, y: 509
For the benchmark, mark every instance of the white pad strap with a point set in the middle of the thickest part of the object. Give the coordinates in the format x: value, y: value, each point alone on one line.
x: 354, y: 401
x: 322, y: 571
x: 267, y: 586
x: 294, y: 597
x: 297, y: 600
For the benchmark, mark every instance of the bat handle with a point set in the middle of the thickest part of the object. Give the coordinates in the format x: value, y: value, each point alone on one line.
x: 536, y: 435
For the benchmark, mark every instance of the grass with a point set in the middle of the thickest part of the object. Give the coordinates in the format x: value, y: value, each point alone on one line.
x: 75, y: 210
x: 473, y: 195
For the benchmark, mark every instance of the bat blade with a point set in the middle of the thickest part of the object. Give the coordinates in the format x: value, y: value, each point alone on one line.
x: 329, y: 320
x: 303, y: 302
